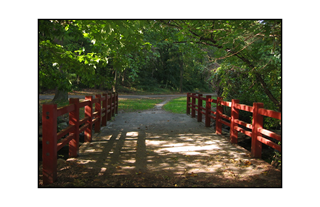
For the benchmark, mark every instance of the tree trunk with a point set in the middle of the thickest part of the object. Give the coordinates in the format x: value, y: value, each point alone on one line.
x: 60, y: 95
x: 181, y: 75
x: 114, y: 86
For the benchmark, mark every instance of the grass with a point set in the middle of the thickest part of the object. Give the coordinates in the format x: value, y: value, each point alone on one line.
x: 130, y: 105
x: 179, y: 105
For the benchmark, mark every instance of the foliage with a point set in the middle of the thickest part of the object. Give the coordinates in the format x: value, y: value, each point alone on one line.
x: 250, y: 46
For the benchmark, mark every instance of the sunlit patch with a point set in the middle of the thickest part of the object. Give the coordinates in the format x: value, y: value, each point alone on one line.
x: 132, y: 134
x: 189, y: 148
x: 192, y: 153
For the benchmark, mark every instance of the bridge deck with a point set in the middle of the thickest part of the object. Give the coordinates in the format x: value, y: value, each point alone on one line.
x: 156, y: 141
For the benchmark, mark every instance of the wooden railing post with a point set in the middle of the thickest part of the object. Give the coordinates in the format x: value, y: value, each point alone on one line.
x: 208, y: 110
x: 109, y: 104
x: 188, y: 102
x: 98, y: 109
x: 193, y: 112
x: 257, y: 122
x: 199, y: 108
x: 116, y: 103
x: 49, y: 143
x: 234, y: 115
x: 88, y: 112
x: 105, y: 105
x: 74, y: 120
x: 218, y: 117
x: 112, y: 103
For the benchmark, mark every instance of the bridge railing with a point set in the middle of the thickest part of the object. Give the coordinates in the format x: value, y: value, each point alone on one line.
x: 106, y: 106
x: 256, y: 131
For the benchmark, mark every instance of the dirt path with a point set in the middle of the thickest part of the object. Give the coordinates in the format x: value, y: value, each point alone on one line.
x: 174, y: 147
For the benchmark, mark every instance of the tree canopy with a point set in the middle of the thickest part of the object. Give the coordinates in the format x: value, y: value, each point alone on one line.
x: 239, y: 59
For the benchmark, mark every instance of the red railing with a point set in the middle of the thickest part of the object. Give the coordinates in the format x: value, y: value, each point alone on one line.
x: 256, y: 126
x: 97, y: 116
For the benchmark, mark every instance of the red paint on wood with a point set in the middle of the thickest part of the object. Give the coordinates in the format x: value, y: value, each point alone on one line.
x: 257, y: 122
x: 116, y: 112
x: 269, y: 134
x: 244, y: 107
x: 270, y: 113
x: 49, y: 143
x: 65, y: 109
x: 98, y: 110
x: 88, y: 113
x: 208, y: 110
x: 245, y: 124
x: 233, y: 124
x: 269, y: 143
x: 218, y: 115
x: 65, y: 131
x: 104, y: 106
x: 74, y: 121
x: 109, y: 106
x: 199, y: 118
x: 65, y: 141
x: 248, y: 133
x: 193, y: 102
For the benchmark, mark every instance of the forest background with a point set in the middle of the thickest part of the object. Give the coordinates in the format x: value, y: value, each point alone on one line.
x: 237, y: 59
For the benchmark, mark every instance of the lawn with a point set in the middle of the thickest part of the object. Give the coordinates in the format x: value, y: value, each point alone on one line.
x: 179, y: 105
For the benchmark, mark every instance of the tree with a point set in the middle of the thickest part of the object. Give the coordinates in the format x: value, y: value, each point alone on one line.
x: 252, y: 45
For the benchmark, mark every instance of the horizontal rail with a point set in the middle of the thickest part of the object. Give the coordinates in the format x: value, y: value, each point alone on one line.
x: 212, y: 100
x: 65, y: 131
x: 226, y: 103
x: 95, y: 100
x: 269, y: 143
x: 245, y: 124
x: 95, y: 113
x: 95, y: 120
x: 224, y: 122
x: 65, y: 109
x: 84, y: 103
x: 213, y: 112
x: 203, y: 112
x: 243, y: 107
x: 269, y: 134
x: 202, y: 98
x: 84, y: 120
x: 270, y: 113
x: 64, y: 141
x: 239, y: 129
x: 213, y: 117
x: 225, y: 117
x: 83, y: 127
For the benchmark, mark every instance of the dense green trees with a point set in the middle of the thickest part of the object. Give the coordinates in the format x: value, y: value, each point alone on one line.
x: 238, y: 58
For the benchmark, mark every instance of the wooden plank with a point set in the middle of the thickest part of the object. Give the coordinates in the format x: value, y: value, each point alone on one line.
x: 270, y: 113
x: 65, y: 109
x: 269, y: 134
x: 83, y: 127
x: 244, y: 107
x: 245, y: 124
x: 226, y: 103
x: 239, y: 129
x: 84, y: 103
x: 225, y: 116
x: 65, y: 131
x: 212, y: 100
x: 224, y: 122
x: 269, y: 143
x: 64, y: 141
x: 83, y: 120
